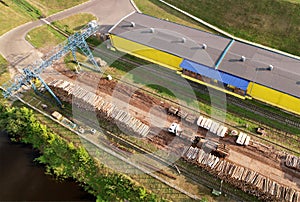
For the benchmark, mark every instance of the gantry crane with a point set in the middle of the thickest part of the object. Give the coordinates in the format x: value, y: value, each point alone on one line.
x: 32, y: 72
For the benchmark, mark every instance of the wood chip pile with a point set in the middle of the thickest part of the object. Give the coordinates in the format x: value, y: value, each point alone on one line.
x: 89, y: 101
x: 292, y: 162
x: 246, y: 179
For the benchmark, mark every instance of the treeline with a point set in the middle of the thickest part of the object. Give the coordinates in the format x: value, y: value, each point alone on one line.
x: 65, y: 160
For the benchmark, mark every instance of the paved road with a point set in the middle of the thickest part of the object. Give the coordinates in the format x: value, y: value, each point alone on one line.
x: 19, y: 52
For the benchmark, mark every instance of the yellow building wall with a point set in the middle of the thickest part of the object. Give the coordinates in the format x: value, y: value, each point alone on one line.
x: 147, y: 53
x: 274, y: 97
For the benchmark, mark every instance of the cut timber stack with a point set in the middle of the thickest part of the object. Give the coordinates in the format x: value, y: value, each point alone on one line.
x: 89, y: 101
x: 292, y: 162
x: 246, y: 179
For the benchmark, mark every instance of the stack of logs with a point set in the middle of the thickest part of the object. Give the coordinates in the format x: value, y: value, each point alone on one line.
x: 292, y: 162
x: 89, y: 101
x: 246, y: 179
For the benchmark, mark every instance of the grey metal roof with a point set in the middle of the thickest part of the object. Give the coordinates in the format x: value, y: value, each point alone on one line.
x: 167, y: 36
x: 283, y: 77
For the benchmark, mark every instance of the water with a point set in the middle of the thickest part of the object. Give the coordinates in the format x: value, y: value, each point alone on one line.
x: 21, y: 179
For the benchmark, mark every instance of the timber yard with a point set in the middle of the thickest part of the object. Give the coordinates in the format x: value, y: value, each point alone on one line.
x: 189, y: 115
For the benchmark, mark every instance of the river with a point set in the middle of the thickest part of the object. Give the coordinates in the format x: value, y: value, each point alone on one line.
x: 21, y: 179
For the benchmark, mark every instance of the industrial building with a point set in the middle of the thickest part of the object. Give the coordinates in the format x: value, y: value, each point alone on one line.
x: 234, y: 67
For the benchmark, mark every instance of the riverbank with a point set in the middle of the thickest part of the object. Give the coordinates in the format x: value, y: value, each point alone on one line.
x: 22, y: 179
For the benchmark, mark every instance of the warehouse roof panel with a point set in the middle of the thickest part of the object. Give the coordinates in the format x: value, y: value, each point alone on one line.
x: 282, y: 75
x: 182, y: 41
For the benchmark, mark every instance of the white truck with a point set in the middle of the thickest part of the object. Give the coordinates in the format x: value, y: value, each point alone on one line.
x: 175, y: 129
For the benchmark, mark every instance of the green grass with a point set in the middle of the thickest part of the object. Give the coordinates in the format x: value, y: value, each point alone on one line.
x: 4, y: 74
x: 74, y: 23
x: 53, y: 6
x: 159, y: 10
x: 46, y: 37
x: 14, y: 13
x: 293, y: 1
x: 274, y: 23
x: 17, y: 12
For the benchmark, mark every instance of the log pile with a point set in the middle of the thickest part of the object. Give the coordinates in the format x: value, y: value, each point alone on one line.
x: 292, y: 162
x: 246, y: 179
x: 89, y: 101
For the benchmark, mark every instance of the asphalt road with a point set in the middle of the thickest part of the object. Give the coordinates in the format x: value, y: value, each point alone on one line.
x: 19, y: 52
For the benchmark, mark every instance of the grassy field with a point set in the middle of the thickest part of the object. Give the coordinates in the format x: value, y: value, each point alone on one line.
x: 75, y: 22
x: 4, y: 74
x: 293, y: 1
x: 46, y: 37
x: 159, y: 10
x: 15, y: 13
x: 274, y: 23
x: 50, y: 7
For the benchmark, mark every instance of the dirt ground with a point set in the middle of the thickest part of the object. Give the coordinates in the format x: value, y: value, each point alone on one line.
x: 258, y: 157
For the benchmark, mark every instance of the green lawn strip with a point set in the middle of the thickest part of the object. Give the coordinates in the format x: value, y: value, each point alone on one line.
x: 293, y: 1
x: 74, y: 23
x: 160, y: 10
x: 274, y: 109
x: 46, y: 37
x: 26, y: 8
x: 13, y: 14
x: 50, y: 7
x: 268, y: 22
x: 4, y: 73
